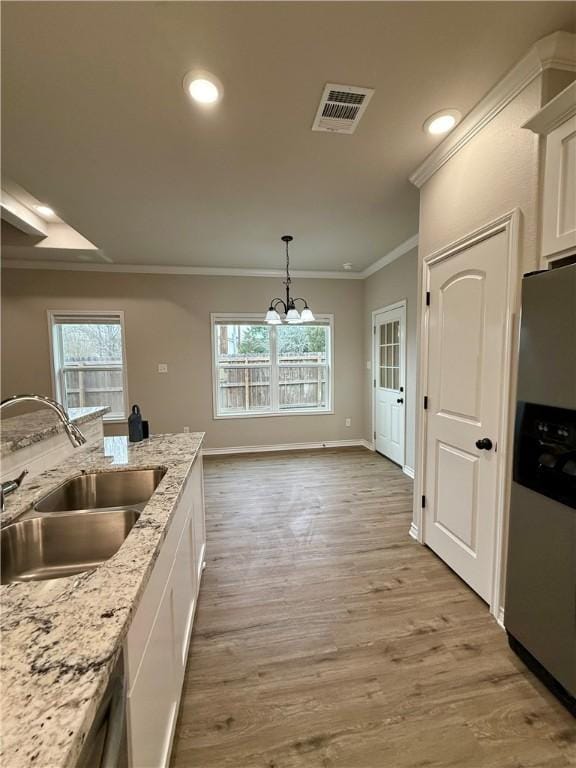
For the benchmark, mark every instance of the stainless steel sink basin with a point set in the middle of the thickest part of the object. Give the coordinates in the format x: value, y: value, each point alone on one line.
x: 54, y: 546
x: 100, y: 490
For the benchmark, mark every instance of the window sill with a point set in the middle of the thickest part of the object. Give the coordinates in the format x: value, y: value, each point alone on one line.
x: 115, y: 419
x: 273, y: 414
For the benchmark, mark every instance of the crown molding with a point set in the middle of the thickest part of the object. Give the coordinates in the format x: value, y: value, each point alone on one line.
x: 394, y: 254
x: 556, y: 51
x: 153, y: 269
x: 558, y: 110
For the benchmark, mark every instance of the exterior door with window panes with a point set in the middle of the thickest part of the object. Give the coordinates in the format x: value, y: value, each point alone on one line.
x: 389, y: 377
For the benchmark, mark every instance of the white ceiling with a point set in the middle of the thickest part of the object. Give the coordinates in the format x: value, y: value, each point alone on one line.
x: 97, y: 125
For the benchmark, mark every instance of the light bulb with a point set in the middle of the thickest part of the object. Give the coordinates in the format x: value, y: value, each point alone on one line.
x: 442, y: 122
x: 45, y: 210
x: 203, y: 87
x: 203, y: 91
x: 272, y: 317
x: 293, y: 316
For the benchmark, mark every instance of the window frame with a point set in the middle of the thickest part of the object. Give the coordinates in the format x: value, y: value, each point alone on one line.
x: 52, y: 315
x: 257, y: 319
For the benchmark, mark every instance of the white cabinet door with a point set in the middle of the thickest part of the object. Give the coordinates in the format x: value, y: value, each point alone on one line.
x: 185, y: 590
x: 154, y: 696
x: 467, y: 322
x: 559, y: 199
x: 199, y: 524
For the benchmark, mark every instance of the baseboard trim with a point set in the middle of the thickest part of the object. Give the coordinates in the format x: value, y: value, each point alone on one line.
x: 408, y: 471
x: 284, y: 447
x: 413, y: 531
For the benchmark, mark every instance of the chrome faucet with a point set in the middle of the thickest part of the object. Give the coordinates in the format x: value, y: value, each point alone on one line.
x: 74, y: 434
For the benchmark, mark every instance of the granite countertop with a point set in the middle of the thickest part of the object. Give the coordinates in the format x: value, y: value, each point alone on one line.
x: 61, y: 638
x: 21, y: 431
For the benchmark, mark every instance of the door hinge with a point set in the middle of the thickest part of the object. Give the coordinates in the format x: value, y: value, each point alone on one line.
x: 374, y: 383
x: 425, y: 402
x: 427, y: 298
x: 423, y: 502
x: 374, y: 435
x: 374, y: 330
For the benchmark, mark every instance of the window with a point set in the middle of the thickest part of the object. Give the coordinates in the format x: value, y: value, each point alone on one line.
x: 390, y: 355
x: 264, y: 369
x: 88, y: 360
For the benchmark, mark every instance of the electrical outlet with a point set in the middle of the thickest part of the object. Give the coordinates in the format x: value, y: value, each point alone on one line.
x: 368, y: 364
x: 162, y: 367
x: 186, y: 429
x: 348, y: 422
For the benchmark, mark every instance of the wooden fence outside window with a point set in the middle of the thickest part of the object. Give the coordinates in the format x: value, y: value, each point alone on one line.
x: 245, y: 382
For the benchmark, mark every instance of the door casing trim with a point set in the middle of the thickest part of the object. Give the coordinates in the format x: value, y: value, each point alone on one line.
x: 402, y: 304
x: 510, y: 224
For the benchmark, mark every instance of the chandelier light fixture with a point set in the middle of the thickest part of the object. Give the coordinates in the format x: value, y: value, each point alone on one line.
x: 288, y: 312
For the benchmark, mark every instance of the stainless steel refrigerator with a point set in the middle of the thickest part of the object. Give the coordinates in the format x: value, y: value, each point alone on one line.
x: 540, y: 607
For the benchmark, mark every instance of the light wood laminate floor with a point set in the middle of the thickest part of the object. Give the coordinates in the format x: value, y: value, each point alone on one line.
x: 327, y: 638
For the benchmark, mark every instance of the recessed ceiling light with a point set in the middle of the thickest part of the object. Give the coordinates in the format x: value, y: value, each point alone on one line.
x: 203, y: 87
x: 442, y: 122
x: 45, y: 210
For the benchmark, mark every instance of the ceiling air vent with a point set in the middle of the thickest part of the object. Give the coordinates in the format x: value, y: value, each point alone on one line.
x: 341, y: 108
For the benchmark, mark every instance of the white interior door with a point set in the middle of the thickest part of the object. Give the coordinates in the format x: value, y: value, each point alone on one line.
x: 467, y: 321
x: 389, y: 382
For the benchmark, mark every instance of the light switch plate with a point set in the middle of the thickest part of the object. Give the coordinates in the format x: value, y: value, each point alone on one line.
x: 162, y: 367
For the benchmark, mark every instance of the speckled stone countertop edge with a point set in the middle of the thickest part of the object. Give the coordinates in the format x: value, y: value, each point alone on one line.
x: 18, y: 432
x: 61, y: 638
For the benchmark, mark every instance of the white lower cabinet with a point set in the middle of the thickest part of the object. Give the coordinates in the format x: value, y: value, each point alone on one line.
x: 198, y: 522
x: 184, y: 589
x: 154, y: 695
x: 157, y: 643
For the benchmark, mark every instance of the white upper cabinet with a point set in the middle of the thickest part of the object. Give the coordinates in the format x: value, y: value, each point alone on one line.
x: 557, y: 123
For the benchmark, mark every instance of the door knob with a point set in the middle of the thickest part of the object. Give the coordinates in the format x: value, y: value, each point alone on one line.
x: 485, y: 444
x: 400, y: 400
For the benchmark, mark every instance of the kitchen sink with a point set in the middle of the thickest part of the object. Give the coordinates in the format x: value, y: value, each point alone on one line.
x: 55, y: 546
x: 100, y: 490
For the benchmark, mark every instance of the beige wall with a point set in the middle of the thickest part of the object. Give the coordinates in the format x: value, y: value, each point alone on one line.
x: 492, y: 174
x: 168, y: 320
x: 394, y: 282
x: 496, y: 172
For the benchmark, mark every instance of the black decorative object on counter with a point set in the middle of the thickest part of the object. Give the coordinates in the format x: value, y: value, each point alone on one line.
x: 135, y: 429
